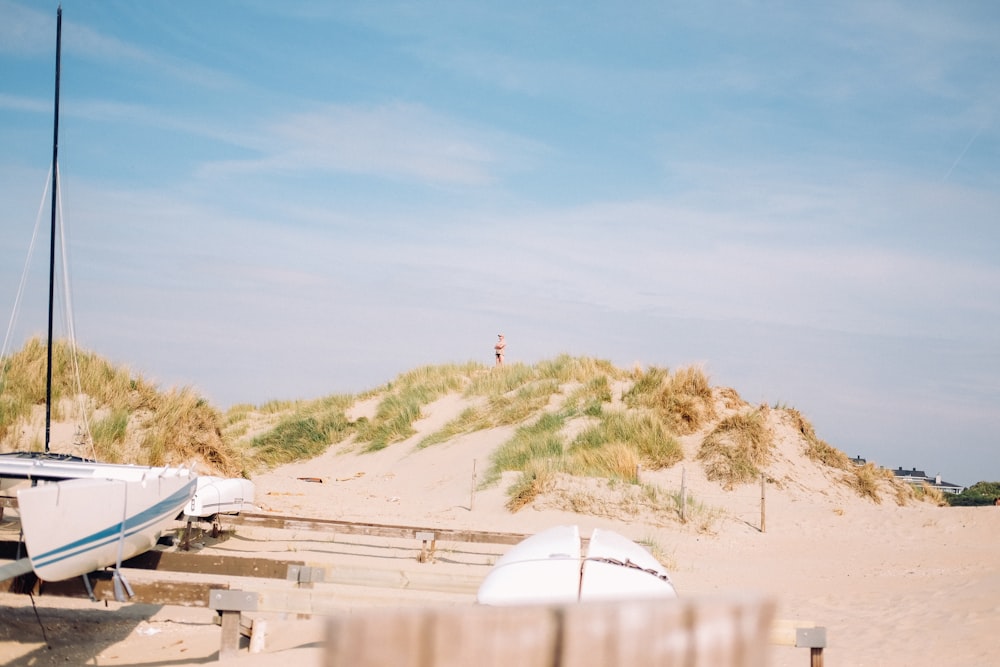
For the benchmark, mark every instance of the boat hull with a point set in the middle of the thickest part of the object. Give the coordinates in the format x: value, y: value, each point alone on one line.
x: 76, y: 526
x: 220, y: 495
x: 549, y: 567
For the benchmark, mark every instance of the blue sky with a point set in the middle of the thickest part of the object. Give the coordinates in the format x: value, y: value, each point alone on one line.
x: 289, y: 200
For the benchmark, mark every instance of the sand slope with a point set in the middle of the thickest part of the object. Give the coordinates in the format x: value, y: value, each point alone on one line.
x: 894, y: 585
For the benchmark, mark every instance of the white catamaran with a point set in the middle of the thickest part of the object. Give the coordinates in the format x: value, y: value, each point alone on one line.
x: 79, y: 515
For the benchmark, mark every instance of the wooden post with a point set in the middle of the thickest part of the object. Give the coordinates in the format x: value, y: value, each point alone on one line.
x: 763, y: 523
x: 472, y: 490
x: 683, y: 496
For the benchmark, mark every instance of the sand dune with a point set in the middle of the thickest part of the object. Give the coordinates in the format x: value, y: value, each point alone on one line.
x: 894, y: 585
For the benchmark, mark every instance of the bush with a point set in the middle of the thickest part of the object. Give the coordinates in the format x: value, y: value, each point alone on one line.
x: 980, y: 493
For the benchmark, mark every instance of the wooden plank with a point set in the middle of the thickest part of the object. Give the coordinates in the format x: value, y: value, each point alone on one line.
x: 424, y: 580
x: 159, y: 592
x: 626, y: 633
x: 180, y: 561
x: 373, y: 529
x: 494, y: 637
x: 229, y: 647
x: 782, y: 632
x: 398, y: 639
x: 730, y: 632
x: 323, y: 601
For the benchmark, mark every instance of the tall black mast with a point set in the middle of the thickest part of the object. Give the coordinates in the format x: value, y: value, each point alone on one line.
x: 52, y: 237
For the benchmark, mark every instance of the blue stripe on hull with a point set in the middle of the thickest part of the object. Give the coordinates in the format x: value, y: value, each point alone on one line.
x: 162, y: 510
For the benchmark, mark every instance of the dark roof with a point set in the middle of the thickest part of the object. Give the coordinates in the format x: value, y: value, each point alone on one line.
x: 899, y: 472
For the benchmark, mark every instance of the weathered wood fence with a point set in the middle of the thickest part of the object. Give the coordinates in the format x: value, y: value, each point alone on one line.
x: 639, y: 633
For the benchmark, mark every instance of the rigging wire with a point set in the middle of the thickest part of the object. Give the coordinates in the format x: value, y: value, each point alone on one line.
x: 71, y: 327
x: 24, y: 273
x: 68, y: 319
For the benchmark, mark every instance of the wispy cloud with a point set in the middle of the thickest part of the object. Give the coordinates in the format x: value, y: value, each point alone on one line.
x: 396, y: 141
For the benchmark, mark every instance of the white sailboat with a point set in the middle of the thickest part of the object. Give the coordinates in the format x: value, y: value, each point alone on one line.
x: 79, y: 515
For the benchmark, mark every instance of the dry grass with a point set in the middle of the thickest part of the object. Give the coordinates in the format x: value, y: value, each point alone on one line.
x: 928, y: 493
x: 737, y: 448
x: 654, y: 447
x: 683, y: 400
x: 614, y: 461
x: 656, y: 550
x: 866, y: 480
x: 131, y: 420
x: 817, y: 449
x: 404, y: 398
x: 536, y: 479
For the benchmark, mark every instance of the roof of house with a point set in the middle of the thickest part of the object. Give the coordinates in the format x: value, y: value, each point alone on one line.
x: 899, y: 472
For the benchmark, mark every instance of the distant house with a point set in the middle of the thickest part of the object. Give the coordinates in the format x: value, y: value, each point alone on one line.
x: 858, y: 461
x: 916, y: 477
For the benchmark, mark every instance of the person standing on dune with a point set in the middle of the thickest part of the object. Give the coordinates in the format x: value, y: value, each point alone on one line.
x: 499, y: 349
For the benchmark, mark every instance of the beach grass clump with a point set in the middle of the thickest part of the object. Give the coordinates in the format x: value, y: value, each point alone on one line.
x: 500, y: 380
x: 270, y: 435
x: 497, y: 410
x: 536, y: 479
x: 816, y: 449
x: 12, y: 408
x: 683, y: 400
x: 653, y: 444
x: 516, y: 392
x: 404, y: 399
x: 611, y: 498
x: 539, y: 441
x: 737, y: 448
x: 185, y: 428
x: 590, y: 397
x: 23, y: 382
x: 523, y: 403
x: 469, y: 420
x: 393, y: 420
x: 616, y: 460
x: 130, y: 419
x: 866, y: 481
x: 109, y: 432
x: 297, y: 437
x: 566, y: 369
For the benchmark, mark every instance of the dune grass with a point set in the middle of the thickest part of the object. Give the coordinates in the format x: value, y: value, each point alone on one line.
x: 404, y: 399
x: 683, y: 400
x: 130, y: 420
x: 653, y: 445
x: 498, y: 410
x: 305, y: 429
x: 865, y: 481
x: 590, y: 397
x: 816, y: 449
x: 735, y: 450
x: 536, y: 478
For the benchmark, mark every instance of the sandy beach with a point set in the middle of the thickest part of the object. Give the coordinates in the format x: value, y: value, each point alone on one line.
x: 893, y: 585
